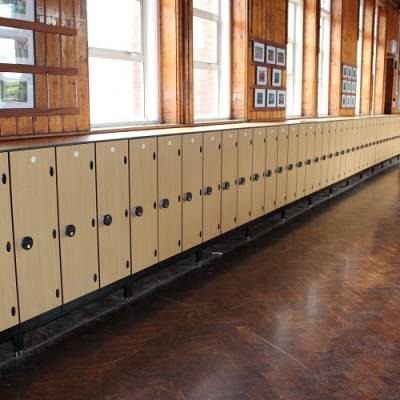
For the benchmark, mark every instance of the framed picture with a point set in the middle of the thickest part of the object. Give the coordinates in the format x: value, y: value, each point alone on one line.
x: 16, y: 46
x: 354, y: 87
x: 281, y: 99
x: 345, y: 71
x: 258, y: 52
x: 348, y: 101
x: 354, y: 73
x: 281, y: 57
x: 16, y: 90
x: 271, y: 98
x: 344, y: 101
x: 353, y: 101
x: 271, y: 55
x: 277, y: 77
x: 344, y: 86
x: 259, y: 98
x: 262, y: 75
x: 18, y: 9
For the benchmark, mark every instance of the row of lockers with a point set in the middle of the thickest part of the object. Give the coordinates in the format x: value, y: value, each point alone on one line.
x: 76, y: 218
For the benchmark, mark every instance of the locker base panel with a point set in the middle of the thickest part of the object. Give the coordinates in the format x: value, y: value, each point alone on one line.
x: 46, y: 329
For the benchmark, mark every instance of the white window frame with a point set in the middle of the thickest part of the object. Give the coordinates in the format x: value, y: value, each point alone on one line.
x: 359, y: 55
x: 297, y: 62
x: 324, y: 60
x: 148, y: 56
x: 223, y: 58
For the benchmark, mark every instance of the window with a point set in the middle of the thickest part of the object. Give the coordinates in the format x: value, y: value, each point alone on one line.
x: 123, y: 66
x: 359, y: 56
x: 294, y: 58
x: 324, y: 57
x: 211, y: 57
x: 375, y: 50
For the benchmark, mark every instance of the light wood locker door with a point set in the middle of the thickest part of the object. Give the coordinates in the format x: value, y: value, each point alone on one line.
x: 357, y: 149
x: 281, y: 170
x: 229, y: 180
x: 76, y: 182
x: 258, y: 178
x: 34, y: 194
x: 245, y: 169
x: 300, y: 164
x: 169, y: 196
x: 144, y: 210
x: 344, y: 150
x: 113, y: 210
x: 211, y: 185
x: 325, y: 155
x: 291, y: 164
x: 309, y: 163
x: 348, y: 147
x: 338, y: 152
x: 332, y: 153
x: 271, y: 163
x: 192, y: 190
x: 8, y: 284
x: 317, y: 160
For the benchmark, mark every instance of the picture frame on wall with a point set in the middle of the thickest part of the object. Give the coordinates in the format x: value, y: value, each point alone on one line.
x: 354, y: 87
x: 262, y: 75
x: 354, y: 72
x: 281, y: 99
x: 344, y: 72
x: 259, y: 98
x: 353, y: 101
x: 271, y: 98
x: 271, y: 55
x: 258, y: 52
x: 348, y: 101
x: 18, y: 9
x: 16, y: 90
x: 344, y: 101
x: 276, y: 77
x: 344, y: 86
x: 17, y: 46
x: 281, y: 57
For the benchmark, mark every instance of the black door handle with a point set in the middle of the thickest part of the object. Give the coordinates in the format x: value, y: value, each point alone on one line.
x: 188, y: 196
x: 138, y: 211
x: 242, y: 181
x: 70, y: 230
x: 316, y: 159
x: 308, y: 162
x: 323, y: 158
x: 279, y: 170
x: 208, y: 191
x: 27, y: 243
x: 290, y: 167
x: 164, y: 203
x: 299, y: 164
x: 226, y: 186
x: 268, y: 173
x: 256, y: 177
x: 107, y: 220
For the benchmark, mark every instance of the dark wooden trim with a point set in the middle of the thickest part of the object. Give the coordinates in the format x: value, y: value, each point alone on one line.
x: 36, y: 69
x: 34, y: 112
x: 38, y: 27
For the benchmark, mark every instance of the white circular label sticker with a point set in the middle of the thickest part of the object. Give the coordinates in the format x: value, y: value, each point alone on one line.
x: 112, y: 149
x: 143, y: 146
x: 76, y: 154
x: 169, y: 143
x: 34, y: 160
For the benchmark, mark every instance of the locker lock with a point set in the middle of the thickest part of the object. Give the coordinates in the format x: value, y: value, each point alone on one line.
x: 164, y: 203
x: 299, y: 164
x: 337, y: 154
x: 316, y: 159
x: 70, y: 230
x: 208, y: 191
x: 290, y: 167
x: 107, y: 220
x: 308, y: 162
x: 323, y: 158
x: 279, y: 170
x: 27, y: 243
x: 188, y: 196
x: 256, y: 177
x: 269, y: 173
x: 138, y: 211
x: 330, y: 155
x: 242, y: 181
x: 226, y: 186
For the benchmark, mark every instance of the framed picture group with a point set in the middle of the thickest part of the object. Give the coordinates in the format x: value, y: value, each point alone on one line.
x: 349, y: 86
x: 271, y: 54
x: 269, y: 99
x: 17, y: 48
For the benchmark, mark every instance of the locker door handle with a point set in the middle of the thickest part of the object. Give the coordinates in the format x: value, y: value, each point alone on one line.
x: 316, y: 159
x: 342, y: 152
x: 256, y: 177
x: 268, y: 173
x: 330, y: 155
x: 138, y: 211
x: 164, y: 203
x: 208, y: 191
x: 188, y: 196
x: 290, y: 167
x: 308, y: 162
x: 299, y: 164
x: 107, y: 220
x: 242, y: 181
x: 27, y: 243
x: 323, y: 158
x: 226, y: 186
x: 337, y: 154
x: 353, y: 149
x: 70, y: 230
x: 279, y: 170
x: 358, y: 148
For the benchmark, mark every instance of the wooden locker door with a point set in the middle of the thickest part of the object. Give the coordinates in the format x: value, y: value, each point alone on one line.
x: 169, y: 196
x: 317, y: 157
x: 229, y: 177
x: 258, y: 178
x: 192, y: 190
x: 300, y: 165
x: 332, y: 153
x: 344, y: 150
x: 8, y: 284
x: 144, y: 210
x: 76, y: 182
x: 281, y: 170
x: 291, y: 164
x: 325, y: 155
x: 357, y: 151
x: 349, y: 148
x: 309, y: 163
x: 211, y: 185
x: 245, y: 169
x: 113, y: 210
x: 34, y: 193
x: 271, y: 163
x: 338, y: 151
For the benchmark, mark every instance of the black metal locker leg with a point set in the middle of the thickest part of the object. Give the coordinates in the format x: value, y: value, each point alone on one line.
x: 283, y: 215
x: 310, y: 202
x: 247, y: 233
x: 128, y: 292
x: 18, y: 342
x: 198, y: 255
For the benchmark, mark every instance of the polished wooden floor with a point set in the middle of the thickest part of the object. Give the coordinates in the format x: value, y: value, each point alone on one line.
x: 312, y: 311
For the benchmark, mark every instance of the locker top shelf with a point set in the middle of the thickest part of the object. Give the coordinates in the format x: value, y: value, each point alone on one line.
x: 103, y: 135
